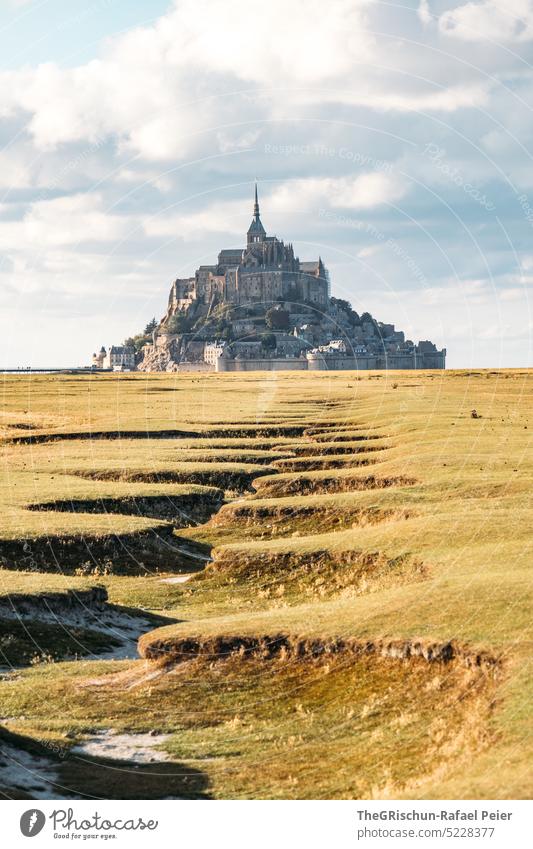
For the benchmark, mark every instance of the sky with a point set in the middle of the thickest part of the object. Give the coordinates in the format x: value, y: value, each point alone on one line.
x: 392, y: 139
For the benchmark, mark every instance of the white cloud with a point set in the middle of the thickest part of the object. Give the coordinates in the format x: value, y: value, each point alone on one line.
x: 514, y: 294
x: 468, y: 291
x: 368, y: 191
x: 272, y: 42
x: 368, y: 251
x: 494, y: 20
x: 305, y: 196
x: 157, y: 89
x: 362, y: 192
x: 424, y: 13
x: 230, y: 217
x: 468, y: 318
x: 15, y: 169
x: 74, y: 220
x: 140, y: 177
x: 157, y: 104
x: 150, y: 140
x: 228, y: 142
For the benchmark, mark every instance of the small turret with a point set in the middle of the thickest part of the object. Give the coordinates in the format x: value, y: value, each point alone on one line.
x: 98, y: 359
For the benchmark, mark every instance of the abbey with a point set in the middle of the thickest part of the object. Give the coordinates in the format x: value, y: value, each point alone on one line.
x: 266, y: 270
x: 260, y: 307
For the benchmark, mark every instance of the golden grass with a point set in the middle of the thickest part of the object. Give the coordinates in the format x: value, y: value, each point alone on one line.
x: 280, y: 729
x: 441, y: 553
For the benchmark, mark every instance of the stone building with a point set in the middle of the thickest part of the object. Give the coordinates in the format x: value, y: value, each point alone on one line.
x: 265, y: 271
x: 98, y: 359
x: 212, y: 351
x: 119, y: 357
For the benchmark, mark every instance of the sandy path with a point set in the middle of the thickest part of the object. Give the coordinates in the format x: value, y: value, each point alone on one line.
x: 34, y: 776
x: 135, y: 748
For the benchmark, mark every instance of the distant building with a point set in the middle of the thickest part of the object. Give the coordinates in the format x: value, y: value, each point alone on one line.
x: 273, y: 311
x: 338, y: 345
x: 264, y: 271
x: 98, y: 359
x: 120, y: 357
x: 212, y: 351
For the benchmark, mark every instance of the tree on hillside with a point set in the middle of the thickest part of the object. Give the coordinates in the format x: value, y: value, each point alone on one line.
x: 137, y: 341
x: 346, y: 306
x: 341, y: 304
x: 141, y: 339
x: 226, y: 333
x: 277, y: 319
x: 269, y: 342
x: 177, y: 323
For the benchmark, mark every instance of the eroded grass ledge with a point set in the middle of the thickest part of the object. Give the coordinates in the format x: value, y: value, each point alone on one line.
x: 277, y: 487
x: 182, y: 510
x: 137, y: 553
x: 269, y: 646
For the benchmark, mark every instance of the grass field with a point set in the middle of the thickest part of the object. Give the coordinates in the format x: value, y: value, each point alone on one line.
x: 328, y: 576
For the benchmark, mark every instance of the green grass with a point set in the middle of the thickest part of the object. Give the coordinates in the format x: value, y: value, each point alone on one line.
x: 287, y: 730
x: 442, y: 553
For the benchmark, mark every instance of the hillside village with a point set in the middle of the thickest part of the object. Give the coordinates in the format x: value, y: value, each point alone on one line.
x: 261, y: 307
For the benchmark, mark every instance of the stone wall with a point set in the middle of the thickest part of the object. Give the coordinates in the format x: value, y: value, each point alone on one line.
x: 224, y: 364
x: 195, y: 367
x: 434, y: 360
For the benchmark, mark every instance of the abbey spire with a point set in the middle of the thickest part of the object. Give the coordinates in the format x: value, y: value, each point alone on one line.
x: 256, y: 231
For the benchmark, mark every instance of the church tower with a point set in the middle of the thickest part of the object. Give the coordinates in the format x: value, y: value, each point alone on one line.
x: 256, y: 231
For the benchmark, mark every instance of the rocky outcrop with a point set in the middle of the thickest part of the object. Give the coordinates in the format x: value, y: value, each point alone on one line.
x: 164, y: 356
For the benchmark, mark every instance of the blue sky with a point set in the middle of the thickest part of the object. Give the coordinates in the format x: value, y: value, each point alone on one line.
x: 392, y: 139
x: 67, y: 32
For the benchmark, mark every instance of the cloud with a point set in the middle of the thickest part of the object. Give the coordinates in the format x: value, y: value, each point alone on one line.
x: 125, y: 171
x: 280, y: 41
x: 492, y: 20
x: 192, y: 82
x: 424, y: 13
x: 228, y: 142
x: 365, y: 191
x: 471, y: 321
x: 282, y: 205
x: 368, y: 191
x: 15, y: 170
x: 158, y: 104
x: 230, y: 217
x: 71, y: 220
